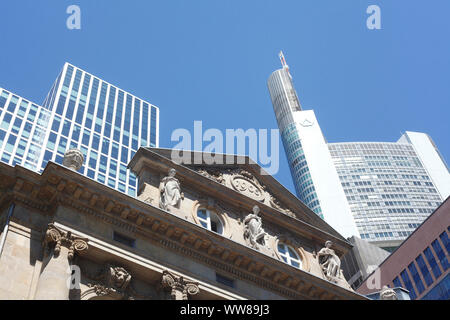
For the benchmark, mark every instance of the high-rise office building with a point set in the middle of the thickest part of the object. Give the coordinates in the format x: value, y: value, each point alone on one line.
x: 81, y: 111
x: 389, y: 186
x: 315, y: 179
x: 379, y: 190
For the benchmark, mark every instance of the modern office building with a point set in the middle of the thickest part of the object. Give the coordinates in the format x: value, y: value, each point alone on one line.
x: 376, y: 190
x: 421, y: 263
x: 359, y: 262
x: 389, y: 187
x: 315, y: 179
x: 81, y: 111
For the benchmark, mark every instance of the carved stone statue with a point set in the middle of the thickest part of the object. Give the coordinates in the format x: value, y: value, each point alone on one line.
x: 254, y: 232
x: 330, y: 262
x: 117, y: 278
x: 115, y: 282
x: 388, y: 294
x: 73, y: 159
x: 170, y: 191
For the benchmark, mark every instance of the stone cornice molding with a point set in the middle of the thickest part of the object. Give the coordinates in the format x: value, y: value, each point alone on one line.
x: 175, y: 233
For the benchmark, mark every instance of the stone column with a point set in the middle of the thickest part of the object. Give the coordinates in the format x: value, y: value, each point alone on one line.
x: 180, y: 288
x: 59, y: 250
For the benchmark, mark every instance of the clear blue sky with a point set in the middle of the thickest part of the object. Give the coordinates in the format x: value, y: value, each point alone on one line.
x: 209, y: 60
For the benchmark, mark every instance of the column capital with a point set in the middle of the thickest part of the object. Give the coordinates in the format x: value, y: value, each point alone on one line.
x: 180, y: 287
x: 58, y: 237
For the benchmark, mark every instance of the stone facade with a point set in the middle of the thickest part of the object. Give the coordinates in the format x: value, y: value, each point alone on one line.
x: 68, y: 237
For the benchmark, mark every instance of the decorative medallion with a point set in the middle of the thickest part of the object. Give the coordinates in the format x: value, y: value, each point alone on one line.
x: 247, y: 187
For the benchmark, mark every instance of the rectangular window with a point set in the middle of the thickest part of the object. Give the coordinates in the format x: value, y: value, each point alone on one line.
x: 424, y: 270
x: 112, y: 168
x: 2, y: 137
x: 130, y: 242
x: 95, y: 142
x: 432, y: 262
x: 22, y: 108
x: 16, y: 125
x: 12, y: 104
x: 101, y: 178
x: 56, y: 123
x: 62, y: 147
x: 6, y: 121
x: 11, y: 143
x: 408, y: 284
x: 27, y: 129
x: 3, y: 99
x: 86, y: 136
x: 115, y: 150
x: 6, y: 157
x: 124, y: 155
x: 440, y: 254
x: 21, y: 148
x: 103, y: 164
x: 105, y: 146
x: 76, y: 133
x: 93, y: 160
x: 444, y: 238
x: 225, y: 280
x: 416, y: 277
x: 66, y: 128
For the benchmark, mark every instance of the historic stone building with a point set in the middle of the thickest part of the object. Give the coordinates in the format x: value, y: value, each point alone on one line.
x: 195, y: 231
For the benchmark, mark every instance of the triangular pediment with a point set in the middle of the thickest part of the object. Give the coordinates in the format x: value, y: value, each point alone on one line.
x: 243, y: 175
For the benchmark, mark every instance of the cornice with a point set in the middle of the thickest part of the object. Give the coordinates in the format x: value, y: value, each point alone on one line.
x: 61, y: 186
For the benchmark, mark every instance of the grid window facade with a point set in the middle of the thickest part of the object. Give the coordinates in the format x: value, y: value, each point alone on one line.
x: 81, y: 111
x: 389, y: 191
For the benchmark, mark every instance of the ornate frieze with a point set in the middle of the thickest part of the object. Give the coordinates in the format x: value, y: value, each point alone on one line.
x: 179, y: 287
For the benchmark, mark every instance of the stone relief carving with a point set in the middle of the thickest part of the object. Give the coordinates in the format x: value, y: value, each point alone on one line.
x: 388, y: 294
x: 170, y: 191
x: 329, y: 262
x: 213, y: 174
x: 247, y: 187
x: 57, y: 237
x: 274, y: 203
x: 254, y: 233
x: 115, y: 282
x: 180, y: 288
x: 246, y: 183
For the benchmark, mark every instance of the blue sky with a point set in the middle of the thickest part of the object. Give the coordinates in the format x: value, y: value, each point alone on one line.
x: 209, y: 60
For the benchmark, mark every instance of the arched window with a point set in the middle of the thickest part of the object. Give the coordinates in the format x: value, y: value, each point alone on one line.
x: 209, y: 220
x: 289, y: 255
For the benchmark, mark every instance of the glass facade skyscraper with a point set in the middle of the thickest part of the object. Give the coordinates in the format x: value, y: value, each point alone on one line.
x: 308, y: 156
x: 389, y: 190
x: 379, y: 191
x: 81, y: 111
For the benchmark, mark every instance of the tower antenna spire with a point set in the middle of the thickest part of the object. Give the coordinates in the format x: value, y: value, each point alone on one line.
x: 283, y: 63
